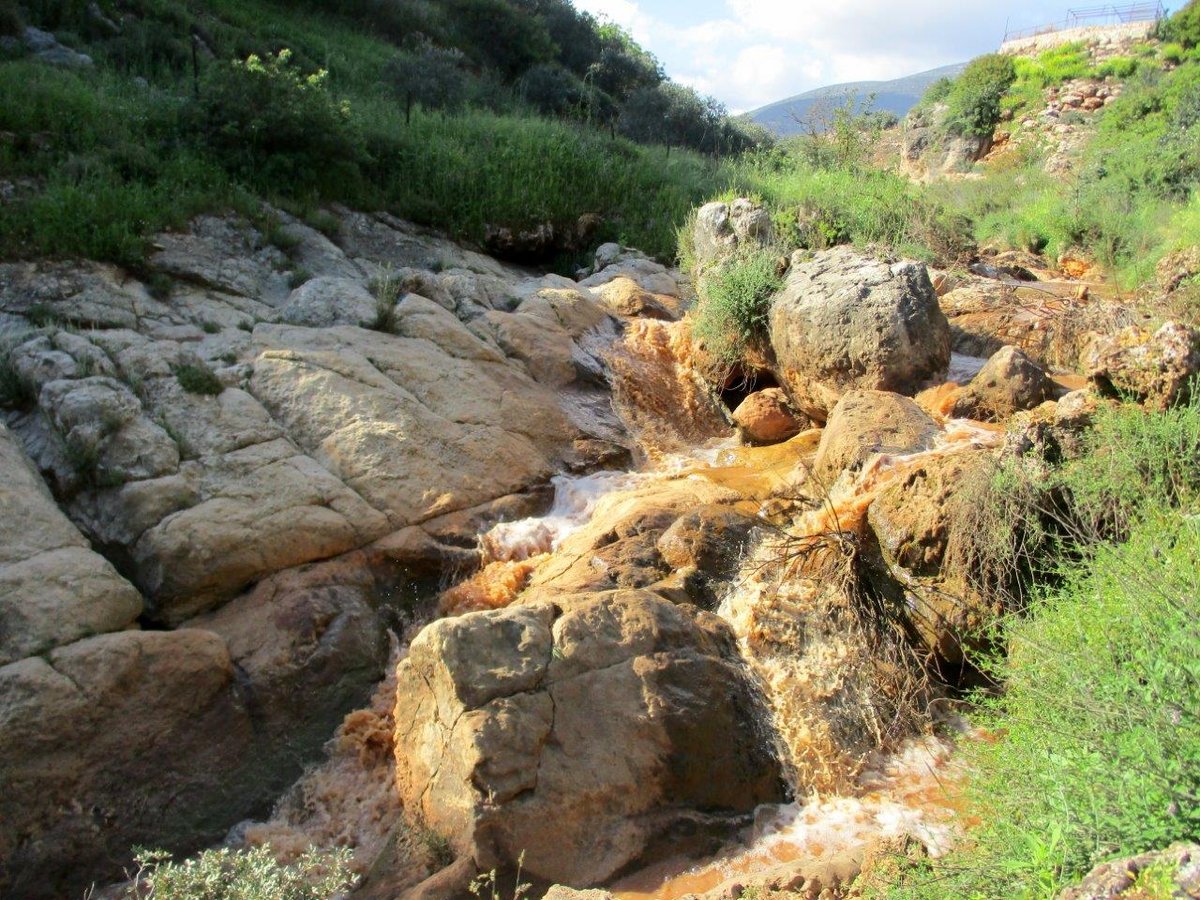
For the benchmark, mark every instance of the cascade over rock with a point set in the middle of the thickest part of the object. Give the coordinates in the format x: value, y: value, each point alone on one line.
x: 844, y: 321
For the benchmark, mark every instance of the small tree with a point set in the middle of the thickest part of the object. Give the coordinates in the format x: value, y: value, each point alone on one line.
x: 428, y: 75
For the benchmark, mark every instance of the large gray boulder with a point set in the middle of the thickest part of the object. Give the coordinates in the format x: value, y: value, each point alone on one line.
x: 845, y: 322
x: 576, y: 737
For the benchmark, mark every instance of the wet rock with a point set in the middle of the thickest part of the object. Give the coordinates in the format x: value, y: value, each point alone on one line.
x: 705, y: 547
x: 766, y: 417
x: 844, y: 321
x: 1119, y: 878
x: 865, y: 423
x: 309, y: 647
x: 53, y: 588
x: 1009, y: 382
x: 1154, y: 367
x: 905, y: 554
x: 506, y: 722
x: 624, y: 297
x: 114, y: 741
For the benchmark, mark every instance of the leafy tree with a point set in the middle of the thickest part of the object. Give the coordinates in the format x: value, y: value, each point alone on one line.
x: 1183, y: 27
x: 575, y: 33
x: 553, y: 90
x: 428, y: 75
x: 499, y: 34
x: 270, y: 122
x: 623, y: 67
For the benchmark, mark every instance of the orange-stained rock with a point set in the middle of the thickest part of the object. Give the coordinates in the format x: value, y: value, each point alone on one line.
x: 1154, y: 367
x: 766, y: 417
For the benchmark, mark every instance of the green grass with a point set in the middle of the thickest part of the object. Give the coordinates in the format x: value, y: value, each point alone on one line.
x: 197, y: 378
x: 1095, y: 740
x: 735, y: 299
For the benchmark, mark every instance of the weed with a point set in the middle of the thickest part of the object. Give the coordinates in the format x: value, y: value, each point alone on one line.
x: 324, y: 222
x: 283, y: 239
x: 210, y: 327
x: 297, y: 277
x: 197, y: 378
x: 246, y: 325
x: 160, y: 285
x: 735, y: 297
x: 387, y: 289
x: 488, y: 885
x: 441, y: 854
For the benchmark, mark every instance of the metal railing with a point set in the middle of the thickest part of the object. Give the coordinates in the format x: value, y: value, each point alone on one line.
x: 1091, y: 16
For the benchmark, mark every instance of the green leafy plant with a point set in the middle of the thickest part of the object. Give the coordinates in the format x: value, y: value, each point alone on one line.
x: 973, y: 102
x: 387, y: 289
x: 735, y: 298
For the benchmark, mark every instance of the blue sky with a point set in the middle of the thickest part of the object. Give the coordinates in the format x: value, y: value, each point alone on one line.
x: 747, y: 53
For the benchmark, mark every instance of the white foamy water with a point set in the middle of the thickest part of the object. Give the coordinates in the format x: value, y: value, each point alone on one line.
x: 906, y: 794
x: 575, y: 499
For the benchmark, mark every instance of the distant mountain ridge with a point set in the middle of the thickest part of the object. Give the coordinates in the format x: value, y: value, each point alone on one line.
x: 898, y: 96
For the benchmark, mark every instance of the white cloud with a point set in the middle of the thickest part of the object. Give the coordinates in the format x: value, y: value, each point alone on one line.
x: 626, y: 13
x: 757, y: 51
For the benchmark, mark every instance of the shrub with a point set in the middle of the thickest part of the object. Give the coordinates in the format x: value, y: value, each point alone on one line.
x: 974, y: 99
x: 1183, y: 27
x: 735, y: 298
x: 937, y: 92
x: 387, y: 289
x: 197, y: 378
x: 253, y: 874
x: 10, y: 19
x: 277, y: 127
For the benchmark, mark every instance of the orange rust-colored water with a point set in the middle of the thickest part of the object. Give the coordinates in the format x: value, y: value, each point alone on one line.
x: 912, y: 793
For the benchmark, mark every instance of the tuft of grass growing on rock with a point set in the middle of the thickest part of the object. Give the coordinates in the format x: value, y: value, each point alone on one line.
x: 387, y: 289
x: 197, y: 378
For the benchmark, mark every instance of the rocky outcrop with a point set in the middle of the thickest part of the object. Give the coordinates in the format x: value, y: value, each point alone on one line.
x: 1008, y: 383
x: 766, y: 417
x: 930, y: 151
x: 53, y: 588
x: 846, y: 322
x: 270, y: 480
x: 113, y: 741
x: 1052, y: 324
x: 497, y: 721
x: 866, y: 423
x: 1156, y: 368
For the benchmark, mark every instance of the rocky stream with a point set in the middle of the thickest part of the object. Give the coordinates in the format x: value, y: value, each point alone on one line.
x: 380, y: 543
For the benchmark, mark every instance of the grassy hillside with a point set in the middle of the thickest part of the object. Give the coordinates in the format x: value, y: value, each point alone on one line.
x: 405, y: 105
